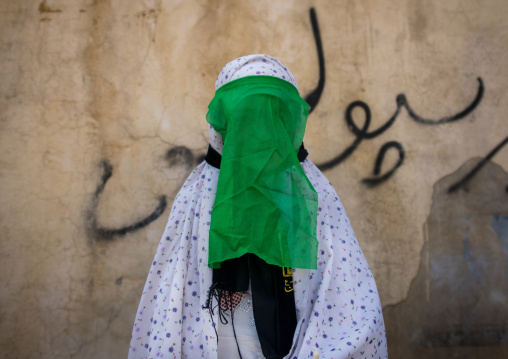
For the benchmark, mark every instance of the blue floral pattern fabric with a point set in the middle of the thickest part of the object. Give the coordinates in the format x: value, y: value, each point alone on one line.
x: 338, y: 308
x: 254, y: 65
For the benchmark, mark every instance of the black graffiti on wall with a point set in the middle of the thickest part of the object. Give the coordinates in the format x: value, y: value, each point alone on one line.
x: 313, y: 97
x: 176, y: 156
x: 402, y: 102
x: 363, y: 133
x: 181, y: 155
x: 107, y: 233
x: 464, y: 180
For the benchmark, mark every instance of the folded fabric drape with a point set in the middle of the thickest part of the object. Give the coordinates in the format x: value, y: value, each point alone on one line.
x: 265, y: 204
x: 337, y: 306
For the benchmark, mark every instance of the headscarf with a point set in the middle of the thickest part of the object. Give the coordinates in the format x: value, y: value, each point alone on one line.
x: 254, y: 65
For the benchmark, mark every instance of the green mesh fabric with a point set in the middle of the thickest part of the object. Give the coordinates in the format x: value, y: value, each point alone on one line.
x: 265, y: 203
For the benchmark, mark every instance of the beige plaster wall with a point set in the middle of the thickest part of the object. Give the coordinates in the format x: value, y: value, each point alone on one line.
x: 102, y: 117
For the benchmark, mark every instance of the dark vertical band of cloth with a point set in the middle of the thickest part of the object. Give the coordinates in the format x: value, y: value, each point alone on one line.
x: 273, y: 299
x: 273, y: 303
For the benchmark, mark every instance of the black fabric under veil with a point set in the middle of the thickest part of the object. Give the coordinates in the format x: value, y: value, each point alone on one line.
x: 272, y: 291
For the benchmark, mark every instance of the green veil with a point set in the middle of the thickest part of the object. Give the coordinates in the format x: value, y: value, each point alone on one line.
x: 265, y: 203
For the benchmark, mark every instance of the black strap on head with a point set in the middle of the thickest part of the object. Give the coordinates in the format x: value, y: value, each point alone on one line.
x: 213, y: 158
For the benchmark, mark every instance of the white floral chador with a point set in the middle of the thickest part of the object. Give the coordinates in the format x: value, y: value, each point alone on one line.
x: 337, y: 306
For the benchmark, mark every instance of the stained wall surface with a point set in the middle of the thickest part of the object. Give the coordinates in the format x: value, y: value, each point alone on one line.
x: 102, y: 117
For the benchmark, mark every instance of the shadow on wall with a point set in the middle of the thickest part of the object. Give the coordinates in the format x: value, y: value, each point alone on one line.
x: 457, y: 304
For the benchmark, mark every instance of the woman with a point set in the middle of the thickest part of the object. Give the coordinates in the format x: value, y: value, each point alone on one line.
x: 274, y: 270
